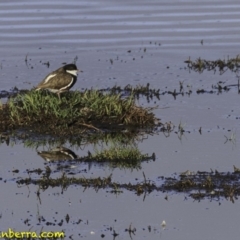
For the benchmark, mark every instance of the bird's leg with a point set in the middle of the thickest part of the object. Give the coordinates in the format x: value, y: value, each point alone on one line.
x: 58, y: 93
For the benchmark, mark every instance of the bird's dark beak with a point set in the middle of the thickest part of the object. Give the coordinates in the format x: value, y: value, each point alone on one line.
x: 80, y: 70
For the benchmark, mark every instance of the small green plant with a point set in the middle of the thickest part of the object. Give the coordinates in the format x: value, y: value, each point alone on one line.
x: 120, y: 156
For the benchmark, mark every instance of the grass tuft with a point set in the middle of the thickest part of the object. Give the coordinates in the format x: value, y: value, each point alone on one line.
x: 90, y: 109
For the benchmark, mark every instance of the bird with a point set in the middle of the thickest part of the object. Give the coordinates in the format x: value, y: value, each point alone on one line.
x: 60, y: 80
x: 58, y: 153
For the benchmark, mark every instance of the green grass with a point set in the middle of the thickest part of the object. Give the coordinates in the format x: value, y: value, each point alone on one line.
x: 116, y: 153
x: 38, y: 103
x: 90, y: 108
x: 120, y: 156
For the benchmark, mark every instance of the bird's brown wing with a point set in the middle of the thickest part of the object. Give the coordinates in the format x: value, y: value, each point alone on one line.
x: 55, y: 80
x: 46, y: 80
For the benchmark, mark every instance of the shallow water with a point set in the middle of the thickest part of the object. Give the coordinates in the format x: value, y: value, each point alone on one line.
x: 97, y: 31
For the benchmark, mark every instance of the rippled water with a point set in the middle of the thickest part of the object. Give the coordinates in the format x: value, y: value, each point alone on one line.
x: 161, y: 35
x: 114, y: 24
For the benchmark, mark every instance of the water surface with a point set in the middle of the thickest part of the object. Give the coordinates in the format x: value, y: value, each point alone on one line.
x: 161, y: 36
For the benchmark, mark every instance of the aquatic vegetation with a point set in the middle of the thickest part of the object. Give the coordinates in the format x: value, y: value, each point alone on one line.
x: 137, y: 91
x: 119, y: 156
x: 198, y: 186
x: 75, y: 112
x: 199, y: 65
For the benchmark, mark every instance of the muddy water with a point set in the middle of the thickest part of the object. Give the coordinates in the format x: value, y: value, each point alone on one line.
x: 161, y: 36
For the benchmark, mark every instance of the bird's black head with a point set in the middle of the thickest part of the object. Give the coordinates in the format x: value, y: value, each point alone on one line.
x: 70, y: 67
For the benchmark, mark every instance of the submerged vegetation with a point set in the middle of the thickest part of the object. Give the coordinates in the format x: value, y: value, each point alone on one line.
x: 200, y: 185
x: 137, y: 91
x: 199, y: 65
x: 232, y: 64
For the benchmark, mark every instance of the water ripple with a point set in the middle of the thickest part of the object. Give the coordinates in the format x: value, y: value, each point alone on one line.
x: 85, y: 24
